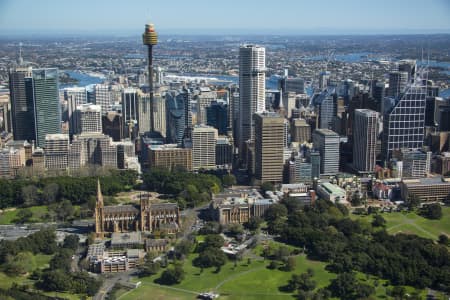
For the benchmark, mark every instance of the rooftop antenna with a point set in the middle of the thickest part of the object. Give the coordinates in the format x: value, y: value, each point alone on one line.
x: 20, y: 54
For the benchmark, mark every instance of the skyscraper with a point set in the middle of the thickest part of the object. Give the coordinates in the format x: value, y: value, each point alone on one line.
x: 144, y: 117
x: 204, y: 139
x: 130, y: 112
x: 102, y: 96
x: 252, y: 86
x: 404, y: 120
x: 42, y: 90
x: 365, y: 139
x: 22, y: 108
x: 88, y: 119
x: 397, y: 83
x: 327, y: 142
x: 269, y: 132
x: 216, y: 116
x: 56, y: 151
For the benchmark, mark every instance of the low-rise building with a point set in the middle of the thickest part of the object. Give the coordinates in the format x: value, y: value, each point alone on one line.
x: 332, y: 192
x: 125, y: 240
x: 239, y: 206
x: 435, y: 189
x: 156, y: 245
x: 112, y: 261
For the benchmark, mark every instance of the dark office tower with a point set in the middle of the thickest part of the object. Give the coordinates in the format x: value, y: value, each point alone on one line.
x: 269, y: 130
x: 378, y: 94
x: 444, y: 118
x: 112, y: 124
x: 365, y: 139
x: 178, y: 116
x: 150, y: 38
x: 22, y: 108
x: 186, y: 97
x: 42, y: 89
x: 313, y: 157
x: 408, y: 66
x: 130, y: 112
x: 404, y: 120
x: 293, y: 84
x: 216, y: 116
x: 430, y: 108
x: 397, y: 83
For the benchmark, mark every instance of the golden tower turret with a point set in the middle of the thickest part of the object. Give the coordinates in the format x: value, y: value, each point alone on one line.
x: 150, y: 38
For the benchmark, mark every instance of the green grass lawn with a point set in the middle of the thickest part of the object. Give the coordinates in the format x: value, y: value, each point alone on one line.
x: 40, y: 261
x: 10, y: 216
x: 243, y: 281
x: 412, y: 223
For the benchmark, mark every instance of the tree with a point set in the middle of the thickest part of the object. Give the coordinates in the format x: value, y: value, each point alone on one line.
x: 29, y: 195
x: 378, y: 221
x: 213, y: 241
x: 291, y: 263
x: 413, y: 201
x: 50, y: 192
x: 282, y: 253
x: 210, y: 228
x: 24, y: 215
x: 149, y: 268
x: 183, y: 247
x: 275, y: 211
x: 443, y: 239
x: 228, y: 180
x: 267, y: 186
x: 64, y: 210
x: 55, y: 280
x: 356, y: 199
x: 432, y: 211
x: 235, y: 229
x: 212, y: 257
x: 19, y: 264
x: 253, y: 223
x: 398, y: 292
x: 71, y: 242
x: 306, y: 283
x: 62, y: 260
x: 343, y: 286
x: 172, y: 275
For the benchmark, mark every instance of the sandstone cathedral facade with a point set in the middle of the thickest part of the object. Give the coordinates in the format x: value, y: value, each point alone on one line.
x: 146, y: 217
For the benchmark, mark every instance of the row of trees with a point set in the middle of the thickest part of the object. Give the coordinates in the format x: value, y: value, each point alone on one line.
x: 59, y: 275
x: 191, y: 189
x: 29, y: 192
x: 42, y: 241
x: 329, y: 235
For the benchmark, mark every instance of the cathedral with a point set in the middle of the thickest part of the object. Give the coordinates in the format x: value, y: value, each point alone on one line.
x: 147, y: 217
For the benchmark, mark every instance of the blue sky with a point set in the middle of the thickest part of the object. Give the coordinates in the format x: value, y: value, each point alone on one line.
x: 226, y: 16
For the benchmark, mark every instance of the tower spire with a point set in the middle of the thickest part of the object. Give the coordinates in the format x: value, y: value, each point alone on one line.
x: 20, y: 54
x: 99, y: 194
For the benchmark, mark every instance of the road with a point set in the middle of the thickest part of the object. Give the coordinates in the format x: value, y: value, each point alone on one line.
x: 110, y: 281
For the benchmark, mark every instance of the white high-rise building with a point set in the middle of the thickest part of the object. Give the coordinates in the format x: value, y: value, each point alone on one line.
x: 76, y: 94
x: 327, y: 142
x: 365, y: 133
x: 204, y: 139
x: 88, y: 119
x: 56, y: 151
x: 252, y: 86
x: 102, y: 96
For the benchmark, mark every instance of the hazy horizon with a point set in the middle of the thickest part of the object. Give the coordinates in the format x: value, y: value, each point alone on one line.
x: 234, y: 17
